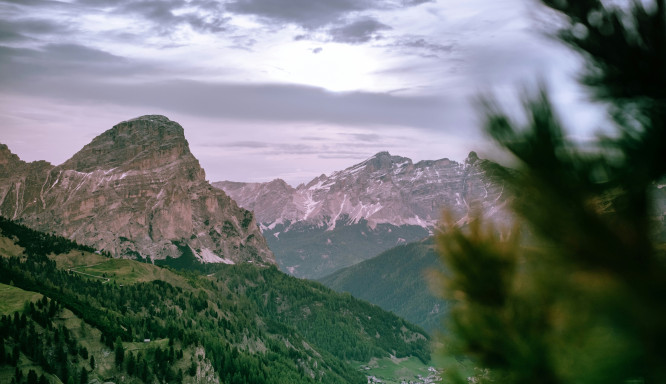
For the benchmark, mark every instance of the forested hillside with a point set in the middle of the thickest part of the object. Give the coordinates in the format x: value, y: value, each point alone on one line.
x: 125, y: 321
x: 396, y: 280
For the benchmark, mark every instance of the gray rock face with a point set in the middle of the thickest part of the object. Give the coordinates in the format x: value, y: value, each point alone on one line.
x: 136, y: 189
x: 383, y: 189
x: 352, y: 215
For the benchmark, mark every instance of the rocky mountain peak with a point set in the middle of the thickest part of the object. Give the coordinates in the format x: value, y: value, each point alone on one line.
x: 143, y: 143
x: 384, y: 160
x: 471, y: 158
x: 280, y: 184
x: 7, y: 157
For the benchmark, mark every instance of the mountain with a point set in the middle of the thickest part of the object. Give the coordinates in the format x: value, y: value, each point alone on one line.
x: 338, y: 220
x: 69, y: 313
x: 396, y: 280
x: 135, y: 191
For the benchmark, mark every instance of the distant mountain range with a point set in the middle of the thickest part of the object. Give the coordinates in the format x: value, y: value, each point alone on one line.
x: 135, y: 191
x: 354, y: 214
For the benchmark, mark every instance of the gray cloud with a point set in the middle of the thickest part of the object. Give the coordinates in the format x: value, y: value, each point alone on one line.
x: 329, y: 149
x: 62, y: 62
x: 20, y: 29
x: 207, y: 16
x: 239, y: 144
x: 365, y: 137
x: 358, y: 31
x: 270, y: 102
x: 423, y: 44
x: 34, y: 3
x: 416, y: 2
x: 309, y: 14
x: 344, y: 155
x: 317, y: 14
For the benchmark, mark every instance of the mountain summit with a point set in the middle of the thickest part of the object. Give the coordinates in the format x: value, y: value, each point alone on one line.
x: 144, y: 143
x: 136, y: 190
x: 354, y: 214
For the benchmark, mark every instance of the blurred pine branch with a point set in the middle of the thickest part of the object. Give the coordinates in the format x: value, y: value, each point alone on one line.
x: 585, y: 302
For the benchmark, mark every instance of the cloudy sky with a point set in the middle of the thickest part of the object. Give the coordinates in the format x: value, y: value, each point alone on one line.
x: 274, y: 88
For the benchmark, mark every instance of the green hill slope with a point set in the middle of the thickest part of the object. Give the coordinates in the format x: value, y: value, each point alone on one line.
x: 125, y: 321
x: 395, y: 280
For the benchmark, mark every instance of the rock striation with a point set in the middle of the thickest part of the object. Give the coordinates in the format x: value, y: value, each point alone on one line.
x: 136, y: 190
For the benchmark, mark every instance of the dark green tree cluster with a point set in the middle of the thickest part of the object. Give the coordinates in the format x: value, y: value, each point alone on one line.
x: 33, y: 334
x: 330, y: 320
x: 31, y: 378
x: 578, y: 295
x: 151, y: 364
x: 39, y: 243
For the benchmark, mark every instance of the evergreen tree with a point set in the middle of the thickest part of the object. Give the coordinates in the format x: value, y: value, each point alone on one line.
x: 577, y: 297
x: 32, y: 377
x: 18, y: 375
x: 16, y: 354
x: 84, y: 376
x: 131, y: 363
x: 84, y: 353
x: 119, y: 351
x: 92, y: 362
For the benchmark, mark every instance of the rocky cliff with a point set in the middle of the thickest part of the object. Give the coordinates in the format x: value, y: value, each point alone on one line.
x: 135, y: 191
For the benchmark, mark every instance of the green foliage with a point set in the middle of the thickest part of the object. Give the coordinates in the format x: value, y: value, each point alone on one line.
x: 329, y: 321
x: 13, y: 299
x: 39, y: 243
x: 119, y: 351
x: 578, y: 297
x: 396, y: 281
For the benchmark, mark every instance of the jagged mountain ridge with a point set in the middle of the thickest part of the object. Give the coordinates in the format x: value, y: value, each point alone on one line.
x: 382, y: 189
x: 354, y: 214
x: 135, y: 190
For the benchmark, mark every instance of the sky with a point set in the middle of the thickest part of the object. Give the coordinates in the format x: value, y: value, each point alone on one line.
x: 269, y: 89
